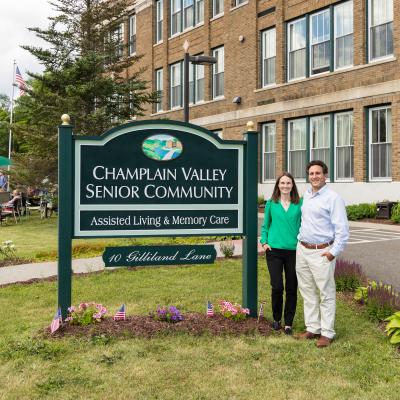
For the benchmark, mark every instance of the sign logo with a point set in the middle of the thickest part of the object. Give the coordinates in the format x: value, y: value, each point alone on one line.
x: 162, y: 147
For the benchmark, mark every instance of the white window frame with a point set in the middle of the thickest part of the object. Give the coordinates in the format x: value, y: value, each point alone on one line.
x: 326, y: 68
x: 188, y: 6
x: 268, y: 53
x: 159, y: 20
x: 388, y: 56
x: 117, y: 35
x: 199, y: 12
x: 214, y: 13
x: 336, y: 37
x: 289, y: 124
x: 388, y: 125
x: 289, y: 51
x: 218, y: 68
x: 237, y: 3
x: 265, y: 153
x: 328, y: 147
x: 177, y: 13
x: 172, y: 67
x: 132, y: 34
x: 159, y: 88
x: 351, y: 145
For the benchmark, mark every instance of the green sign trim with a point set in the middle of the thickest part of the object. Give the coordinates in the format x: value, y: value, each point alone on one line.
x: 166, y: 230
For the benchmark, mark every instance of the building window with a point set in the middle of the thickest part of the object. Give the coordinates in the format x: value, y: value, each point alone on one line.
x: 117, y: 40
x: 193, y: 14
x: 132, y: 35
x: 320, y: 138
x: 380, y: 22
x: 176, y: 85
x: 238, y: 2
x: 217, y: 7
x: 269, y: 152
x: 380, y: 143
x: 199, y: 12
x: 268, y: 43
x: 343, y: 31
x: 297, y: 147
x: 297, y: 49
x: 320, y: 42
x: 218, y: 72
x: 196, y: 83
x: 176, y: 16
x: 344, y: 146
x: 159, y: 88
x: 188, y: 13
x: 159, y: 20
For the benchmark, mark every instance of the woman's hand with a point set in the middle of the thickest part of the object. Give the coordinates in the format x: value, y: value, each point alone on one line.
x: 266, y: 247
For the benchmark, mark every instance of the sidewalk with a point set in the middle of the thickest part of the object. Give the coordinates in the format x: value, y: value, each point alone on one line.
x: 27, y: 272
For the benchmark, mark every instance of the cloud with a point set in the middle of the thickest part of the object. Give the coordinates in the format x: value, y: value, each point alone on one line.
x: 15, y: 18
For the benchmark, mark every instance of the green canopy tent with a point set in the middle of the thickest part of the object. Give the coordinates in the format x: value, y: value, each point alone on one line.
x: 4, y: 161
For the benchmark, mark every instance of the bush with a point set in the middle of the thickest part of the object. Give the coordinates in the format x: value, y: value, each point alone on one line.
x: 396, y: 213
x: 168, y: 314
x: 86, y: 314
x: 348, y: 275
x: 227, y: 248
x: 261, y: 201
x: 382, y: 301
x: 393, y: 328
x: 360, y: 211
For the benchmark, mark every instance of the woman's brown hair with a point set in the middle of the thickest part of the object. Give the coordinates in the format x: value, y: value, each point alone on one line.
x: 294, y: 194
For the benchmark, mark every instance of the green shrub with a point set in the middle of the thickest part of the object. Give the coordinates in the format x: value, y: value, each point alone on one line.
x: 393, y: 328
x: 360, y: 211
x: 396, y: 213
x: 382, y: 301
x: 348, y: 275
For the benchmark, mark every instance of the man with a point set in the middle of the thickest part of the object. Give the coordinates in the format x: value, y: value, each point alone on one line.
x: 323, y: 234
x: 3, y: 182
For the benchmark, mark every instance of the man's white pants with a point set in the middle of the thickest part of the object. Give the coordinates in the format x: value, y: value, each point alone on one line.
x: 315, y: 275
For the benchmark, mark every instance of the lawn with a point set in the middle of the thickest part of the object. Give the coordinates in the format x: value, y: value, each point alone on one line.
x: 359, y: 365
x: 36, y: 239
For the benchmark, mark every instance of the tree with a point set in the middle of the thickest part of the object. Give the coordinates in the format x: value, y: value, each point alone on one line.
x: 4, y: 124
x: 85, y: 76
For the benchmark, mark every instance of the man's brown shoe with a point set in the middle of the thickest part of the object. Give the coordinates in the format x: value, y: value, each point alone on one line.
x: 324, y: 341
x: 307, y: 335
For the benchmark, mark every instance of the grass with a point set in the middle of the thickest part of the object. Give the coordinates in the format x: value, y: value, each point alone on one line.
x: 36, y: 239
x: 359, y: 365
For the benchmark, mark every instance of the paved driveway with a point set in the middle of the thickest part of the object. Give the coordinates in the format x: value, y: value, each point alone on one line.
x: 376, y: 247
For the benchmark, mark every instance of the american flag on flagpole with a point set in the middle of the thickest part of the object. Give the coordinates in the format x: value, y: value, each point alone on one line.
x: 120, y: 315
x: 210, y: 309
x: 19, y: 81
x: 55, y: 324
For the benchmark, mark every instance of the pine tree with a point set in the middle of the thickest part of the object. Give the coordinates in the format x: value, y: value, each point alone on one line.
x: 85, y: 76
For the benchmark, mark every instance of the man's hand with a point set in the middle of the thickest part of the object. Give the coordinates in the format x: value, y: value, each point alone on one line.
x: 266, y: 246
x: 328, y: 255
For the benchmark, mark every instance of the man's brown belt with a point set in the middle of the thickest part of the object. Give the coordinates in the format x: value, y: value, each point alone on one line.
x: 316, y: 246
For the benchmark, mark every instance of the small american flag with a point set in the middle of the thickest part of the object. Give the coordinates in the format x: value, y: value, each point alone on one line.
x: 20, y: 81
x: 55, y: 324
x: 210, y: 309
x: 120, y: 315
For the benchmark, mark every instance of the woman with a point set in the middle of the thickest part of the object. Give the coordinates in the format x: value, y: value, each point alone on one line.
x: 279, y: 239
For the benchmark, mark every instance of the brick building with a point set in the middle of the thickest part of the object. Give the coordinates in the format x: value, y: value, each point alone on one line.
x: 320, y: 79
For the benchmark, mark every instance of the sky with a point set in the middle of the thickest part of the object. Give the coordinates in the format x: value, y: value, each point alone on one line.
x: 16, y: 16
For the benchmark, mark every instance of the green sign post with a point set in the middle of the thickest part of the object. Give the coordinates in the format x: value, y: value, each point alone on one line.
x: 157, y: 178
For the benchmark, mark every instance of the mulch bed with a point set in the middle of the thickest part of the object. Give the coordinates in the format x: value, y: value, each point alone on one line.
x: 144, y: 326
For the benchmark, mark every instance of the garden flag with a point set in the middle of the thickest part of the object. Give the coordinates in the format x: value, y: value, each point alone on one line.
x: 210, y: 309
x: 55, y: 324
x: 120, y: 315
x: 19, y: 81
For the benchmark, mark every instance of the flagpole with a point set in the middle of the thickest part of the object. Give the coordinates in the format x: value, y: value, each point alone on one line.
x: 11, y: 121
